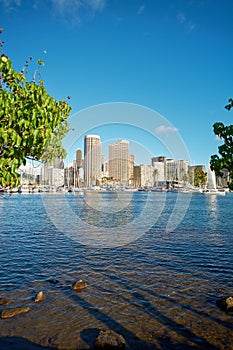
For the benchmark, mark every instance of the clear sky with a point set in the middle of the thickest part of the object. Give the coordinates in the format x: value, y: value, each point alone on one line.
x: 174, y: 57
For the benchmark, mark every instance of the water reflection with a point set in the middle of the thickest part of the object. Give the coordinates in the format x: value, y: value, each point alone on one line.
x: 80, y: 219
x: 212, y: 205
x: 107, y: 211
x: 108, y: 201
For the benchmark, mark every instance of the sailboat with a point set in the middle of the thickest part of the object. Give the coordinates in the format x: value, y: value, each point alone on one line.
x: 211, y: 184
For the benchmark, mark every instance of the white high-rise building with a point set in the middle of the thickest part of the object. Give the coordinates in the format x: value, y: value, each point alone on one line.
x: 53, y: 174
x: 92, y: 160
x: 147, y: 175
x: 119, y: 161
x: 176, y: 169
x: 158, y: 172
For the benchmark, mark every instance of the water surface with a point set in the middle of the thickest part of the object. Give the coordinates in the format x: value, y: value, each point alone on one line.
x: 159, y: 291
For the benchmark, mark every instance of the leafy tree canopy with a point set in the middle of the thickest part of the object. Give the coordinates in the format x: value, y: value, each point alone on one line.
x: 200, y: 177
x: 225, y: 158
x: 32, y: 123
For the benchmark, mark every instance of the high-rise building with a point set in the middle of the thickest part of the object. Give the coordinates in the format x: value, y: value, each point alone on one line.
x: 53, y: 174
x: 69, y: 175
x: 78, y: 163
x: 176, y: 169
x: 159, y: 169
x: 143, y: 175
x: 147, y: 175
x: 92, y: 160
x: 131, y: 166
x: 119, y: 161
x: 166, y: 169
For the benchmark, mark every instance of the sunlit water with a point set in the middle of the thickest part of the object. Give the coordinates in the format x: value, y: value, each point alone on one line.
x: 159, y: 291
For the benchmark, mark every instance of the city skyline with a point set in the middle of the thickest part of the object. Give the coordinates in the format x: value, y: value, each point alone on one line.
x: 120, y: 168
x: 172, y: 57
x: 77, y: 155
x: 105, y: 151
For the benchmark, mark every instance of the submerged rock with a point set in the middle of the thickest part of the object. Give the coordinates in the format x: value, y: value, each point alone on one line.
x: 14, y: 312
x: 39, y: 297
x: 109, y: 340
x: 226, y: 304
x: 78, y: 286
x: 5, y: 302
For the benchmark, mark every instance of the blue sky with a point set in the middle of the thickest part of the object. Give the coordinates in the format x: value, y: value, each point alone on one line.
x: 173, y: 57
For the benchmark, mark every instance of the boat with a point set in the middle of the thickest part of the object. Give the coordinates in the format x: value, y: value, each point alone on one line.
x: 35, y: 189
x: 211, y: 184
x: 43, y: 188
x: 14, y: 190
x: 24, y: 189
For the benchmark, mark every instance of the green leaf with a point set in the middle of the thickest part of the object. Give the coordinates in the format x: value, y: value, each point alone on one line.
x: 29, y: 116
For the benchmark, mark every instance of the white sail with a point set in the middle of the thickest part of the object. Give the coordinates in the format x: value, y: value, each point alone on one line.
x: 211, y: 179
x: 211, y: 187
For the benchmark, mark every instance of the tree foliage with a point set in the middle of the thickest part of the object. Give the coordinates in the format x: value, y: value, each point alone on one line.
x: 32, y: 123
x: 200, y: 177
x: 225, y: 158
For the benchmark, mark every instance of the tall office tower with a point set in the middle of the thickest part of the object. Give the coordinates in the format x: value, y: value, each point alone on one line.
x: 78, y: 163
x: 131, y: 166
x: 119, y: 161
x: 92, y: 159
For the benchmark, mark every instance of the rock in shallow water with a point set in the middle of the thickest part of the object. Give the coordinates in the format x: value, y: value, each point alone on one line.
x: 226, y: 304
x: 78, y: 286
x: 39, y: 297
x: 109, y: 340
x: 14, y: 312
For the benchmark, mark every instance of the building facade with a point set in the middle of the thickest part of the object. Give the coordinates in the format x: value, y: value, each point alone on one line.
x: 92, y: 160
x: 143, y: 175
x: 131, y: 167
x: 147, y: 175
x: 53, y: 174
x: 159, y: 170
x: 176, y: 170
x: 78, y: 164
x: 119, y: 161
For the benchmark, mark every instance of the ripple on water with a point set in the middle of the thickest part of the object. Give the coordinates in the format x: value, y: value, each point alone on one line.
x: 159, y: 291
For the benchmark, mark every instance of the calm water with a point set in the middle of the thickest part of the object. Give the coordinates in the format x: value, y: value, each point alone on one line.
x: 158, y: 290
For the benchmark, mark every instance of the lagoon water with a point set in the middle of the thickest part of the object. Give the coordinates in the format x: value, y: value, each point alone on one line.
x: 156, y: 287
